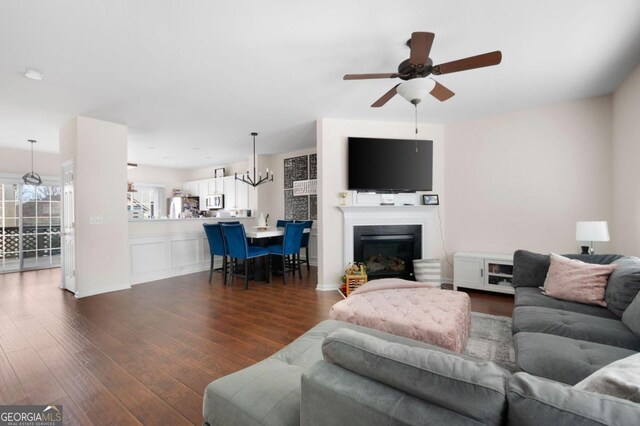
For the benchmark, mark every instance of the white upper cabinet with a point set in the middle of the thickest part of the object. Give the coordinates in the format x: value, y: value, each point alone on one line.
x: 229, y: 192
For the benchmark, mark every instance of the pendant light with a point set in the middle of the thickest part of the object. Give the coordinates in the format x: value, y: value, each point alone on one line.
x: 32, y: 178
x: 255, y: 180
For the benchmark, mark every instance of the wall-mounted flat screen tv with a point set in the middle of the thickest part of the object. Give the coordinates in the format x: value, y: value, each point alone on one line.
x: 390, y: 165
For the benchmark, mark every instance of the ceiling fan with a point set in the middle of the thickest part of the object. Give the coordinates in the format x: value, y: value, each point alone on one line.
x: 419, y: 66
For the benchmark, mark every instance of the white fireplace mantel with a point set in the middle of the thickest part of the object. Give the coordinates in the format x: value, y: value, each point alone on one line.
x: 384, y: 215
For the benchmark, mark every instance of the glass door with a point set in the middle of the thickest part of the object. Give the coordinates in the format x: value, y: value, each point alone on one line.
x: 30, y: 227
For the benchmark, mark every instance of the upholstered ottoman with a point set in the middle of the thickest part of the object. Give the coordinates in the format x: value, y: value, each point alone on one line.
x: 409, y: 309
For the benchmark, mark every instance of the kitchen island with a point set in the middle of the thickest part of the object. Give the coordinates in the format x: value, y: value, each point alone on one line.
x: 164, y: 248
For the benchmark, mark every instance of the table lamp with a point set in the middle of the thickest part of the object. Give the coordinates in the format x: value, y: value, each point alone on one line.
x: 591, y: 231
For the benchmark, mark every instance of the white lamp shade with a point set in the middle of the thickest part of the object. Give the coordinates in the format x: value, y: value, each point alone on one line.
x: 415, y: 90
x: 592, y: 231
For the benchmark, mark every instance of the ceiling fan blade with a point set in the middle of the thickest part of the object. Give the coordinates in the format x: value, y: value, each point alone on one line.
x: 368, y: 76
x: 420, y: 48
x: 441, y: 93
x: 479, y: 61
x: 385, y: 98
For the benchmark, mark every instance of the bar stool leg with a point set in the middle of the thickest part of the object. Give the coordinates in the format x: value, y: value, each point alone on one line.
x: 246, y: 274
x: 284, y: 269
x: 211, y: 269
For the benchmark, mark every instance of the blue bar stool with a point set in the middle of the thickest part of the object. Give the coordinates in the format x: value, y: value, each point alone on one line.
x: 217, y: 246
x: 290, y: 247
x: 238, y: 248
x: 305, y: 242
x: 281, y: 223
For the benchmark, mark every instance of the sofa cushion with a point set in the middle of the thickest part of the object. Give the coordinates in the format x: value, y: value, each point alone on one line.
x: 474, y: 389
x: 562, y: 359
x: 268, y: 393
x: 534, y: 401
x: 620, y: 379
x: 577, y: 281
x: 631, y: 316
x: 530, y: 296
x: 623, y: 285
x: 574, y: 326
x: 530, y: 269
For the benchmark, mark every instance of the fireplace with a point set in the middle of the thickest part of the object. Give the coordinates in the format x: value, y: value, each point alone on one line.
x: 387, y: 251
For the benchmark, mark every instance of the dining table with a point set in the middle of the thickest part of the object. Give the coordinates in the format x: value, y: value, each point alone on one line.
x: 259, y: 232
x: 265, y: 236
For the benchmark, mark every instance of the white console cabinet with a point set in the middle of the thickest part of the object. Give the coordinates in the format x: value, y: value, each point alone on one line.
x: 483, y: 271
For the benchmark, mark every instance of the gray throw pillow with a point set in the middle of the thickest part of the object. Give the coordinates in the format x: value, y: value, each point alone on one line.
x: 631, y: 316
x: 529, y: 268
x: 623, y: 284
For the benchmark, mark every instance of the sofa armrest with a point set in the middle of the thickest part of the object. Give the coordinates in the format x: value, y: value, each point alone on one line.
x: 537, y: 401
x: 334, y: 396
x: 473, y: 389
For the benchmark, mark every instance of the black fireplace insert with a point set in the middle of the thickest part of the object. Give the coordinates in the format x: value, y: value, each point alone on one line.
x: 388, y: 251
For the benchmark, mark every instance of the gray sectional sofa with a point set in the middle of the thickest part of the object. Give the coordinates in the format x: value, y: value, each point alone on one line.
x: 568, y: 341
x: 343, y: 374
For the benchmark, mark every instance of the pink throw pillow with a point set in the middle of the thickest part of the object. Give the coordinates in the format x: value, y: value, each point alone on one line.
x: 576, y: 281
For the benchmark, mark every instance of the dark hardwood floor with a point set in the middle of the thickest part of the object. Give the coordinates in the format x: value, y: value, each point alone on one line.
x: 145, y: 355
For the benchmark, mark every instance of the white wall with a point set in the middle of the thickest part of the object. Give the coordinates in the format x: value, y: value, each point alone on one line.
x: 332, y: 179
x: 522, y: 179
x: 168, y: 177
x: 18, y: 162
x: 207, y: 172
x: 626, y: 167
x: 99, y: 150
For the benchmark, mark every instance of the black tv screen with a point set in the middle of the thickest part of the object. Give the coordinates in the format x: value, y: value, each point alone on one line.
x: 390, y: 164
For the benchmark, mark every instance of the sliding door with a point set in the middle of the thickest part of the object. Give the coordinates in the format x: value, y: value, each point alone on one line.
x: 29, y: 227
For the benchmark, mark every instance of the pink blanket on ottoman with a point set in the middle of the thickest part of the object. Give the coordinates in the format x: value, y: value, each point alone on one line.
x: 409, y: 309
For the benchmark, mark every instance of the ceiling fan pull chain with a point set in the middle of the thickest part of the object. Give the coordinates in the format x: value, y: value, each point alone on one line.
x: 416, y: 135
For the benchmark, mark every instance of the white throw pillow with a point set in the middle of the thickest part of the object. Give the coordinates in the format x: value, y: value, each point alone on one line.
x: 620, y: 379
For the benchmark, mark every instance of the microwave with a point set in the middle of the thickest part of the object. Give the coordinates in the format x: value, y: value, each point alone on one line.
x: 214, y: 202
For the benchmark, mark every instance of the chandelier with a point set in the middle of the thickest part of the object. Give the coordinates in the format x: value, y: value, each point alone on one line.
x: 255, y: 180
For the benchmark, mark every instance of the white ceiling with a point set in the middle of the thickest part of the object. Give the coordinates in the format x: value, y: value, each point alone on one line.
x: 193, y: 78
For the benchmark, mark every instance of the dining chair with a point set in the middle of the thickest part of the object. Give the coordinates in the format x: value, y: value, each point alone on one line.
x: 290, y: 247
x: 305, y: 242
x: 217, y: 246
x: 281, y: 223
x: 238, y: 248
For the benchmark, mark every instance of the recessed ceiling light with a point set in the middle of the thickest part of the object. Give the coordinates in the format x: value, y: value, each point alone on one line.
x: 165, y: 157
x: 33, y: 74
x: 151, y: 147
x: 196, y: 148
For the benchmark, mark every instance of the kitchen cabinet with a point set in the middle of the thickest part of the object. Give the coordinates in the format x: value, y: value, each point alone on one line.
x: 242, y: 195
x: 229, y: 192
x: 236, y: 193
x: 190, y: 188
x: 203, y: 191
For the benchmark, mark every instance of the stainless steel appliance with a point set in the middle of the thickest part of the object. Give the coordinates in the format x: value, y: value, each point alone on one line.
x: 214, y: 202
x: 183, y: 207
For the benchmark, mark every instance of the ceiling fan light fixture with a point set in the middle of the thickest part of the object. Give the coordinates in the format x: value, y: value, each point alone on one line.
x: 416, y: 89
x: 32, y: 74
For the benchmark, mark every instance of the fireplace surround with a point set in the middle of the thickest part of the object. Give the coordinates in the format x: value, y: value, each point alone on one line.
x: 363, y: 215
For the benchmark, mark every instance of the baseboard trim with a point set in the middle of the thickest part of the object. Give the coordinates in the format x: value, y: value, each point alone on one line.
x: 81, y: 294
x: 327, y: 287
